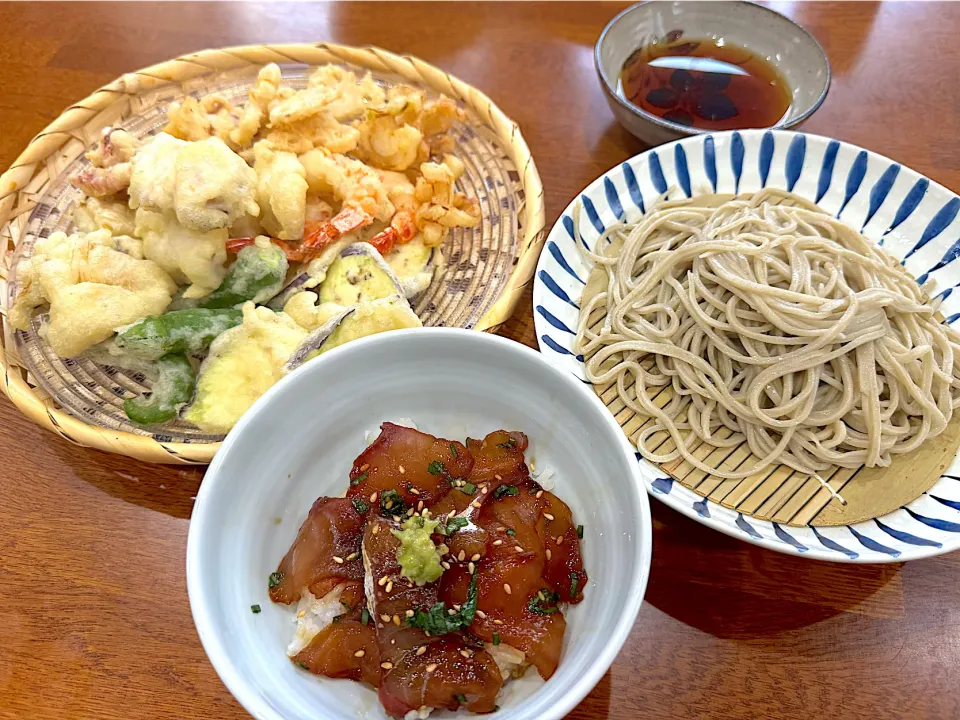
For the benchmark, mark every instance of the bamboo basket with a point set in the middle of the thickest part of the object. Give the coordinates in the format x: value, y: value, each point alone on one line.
x: 49, y: 154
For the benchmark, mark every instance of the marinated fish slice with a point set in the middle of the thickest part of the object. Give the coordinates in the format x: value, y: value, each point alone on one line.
x: 325, y: 553
x: 343, y: 649
x: 408, y: 466
x: 446, y: 672
x: 499, y: 453
x: 509, y: 609
x: 563, y: 569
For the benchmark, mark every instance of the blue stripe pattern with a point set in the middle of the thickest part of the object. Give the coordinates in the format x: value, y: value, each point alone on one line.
x: 656, y: 173
x: 854, y: 178
x: 788, y: 538
x: 944, y: 217
x: 557, y: 347
x: 833, y: 545
x: 766, y: 156
x: 826, y: 169
x: 737, y: 151
x: 710, y: 160
x: 747, y: 527
x: 554, y: 250
x: 568, y: 226
x: 662, y: 486
x: 870, y: 544
x: 880, y: 191
x: 935, y: 523
x: 682, y: 169
x: 953, y: 504
x: 592, y: 214
x: 555, y: 289
x: 909, y: 203
x: 876, y: 201
x: 633, y: 187
x: 906, y: 537
x: 554, y: 320
x: 613, y: 200
x: 795, y: 155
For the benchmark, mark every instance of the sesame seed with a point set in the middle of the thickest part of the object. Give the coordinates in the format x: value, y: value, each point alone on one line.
x: 396, y: 620
x: 475, y: 557
x: 506, y: 588
x: 338, y: 560
x: 414, y: 491
x: 451, y: 513
x: 549, y: 554
x: 465, y: 653
x: 483, y: 490
x: 497, y: 477
x: 420, y: 505
x: 382, y: 581
x: 421, y: 650
x: 388, y: 504
x: 396, y: 518
x: 301, y: 613
x: 548, y: 516
x: 481, y: 614
x: 451, y: 611
x: 359, y: 653
x: 456, y: 607
x: 402, y: 471
x: 386, y: 665
x: 409, y: 613
x: 393, y: 642
x: 445, y: 565
x: 498, y: 542
x: 498, y: 622
x: 559, y: 539
x: 431, y: 667
x: 385, y: 618
x: 462, y: 556
x: 364, y: 467
x: 353, y: 556
x: 539, y: 494
x: 475, y: 504
x: 459, y: 483
x: 540, y: 595
x: 376, y: 529
x: 518, y: 548
x: 410, y: 512
x: 472, y: 568
x: 373, y: 497
x: 389, y: 587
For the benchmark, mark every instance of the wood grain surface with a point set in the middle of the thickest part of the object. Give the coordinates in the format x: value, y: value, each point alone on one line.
x: 94, y: 618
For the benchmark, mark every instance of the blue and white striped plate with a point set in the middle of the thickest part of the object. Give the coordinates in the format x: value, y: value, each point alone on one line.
x: 913, y: 218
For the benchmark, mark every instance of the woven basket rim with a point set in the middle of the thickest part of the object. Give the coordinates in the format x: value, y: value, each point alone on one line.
x: 15, y: 181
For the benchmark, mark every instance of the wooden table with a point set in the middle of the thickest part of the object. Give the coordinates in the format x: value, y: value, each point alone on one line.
x: 94, y: 619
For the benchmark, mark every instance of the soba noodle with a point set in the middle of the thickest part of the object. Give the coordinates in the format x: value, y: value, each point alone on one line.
x: 769, y: 322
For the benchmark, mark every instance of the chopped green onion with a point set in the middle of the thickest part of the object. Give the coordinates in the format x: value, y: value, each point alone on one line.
x: 496, y: 638
x: 505, y: 490
x: 255, y: 609
x: 275, y: 579
x: 359, y: 478
x: 360, y: 505
x: 511, y: 532
x: 453, y: 450
x: 462, y: 699
x: 580, y: 531
x: 365, y: 617
x: 303, y: 665
x: 436, y: 468
x: 455, y: 524
x: 468, y: 488
x: 574, y: 583
x: 542, y: 607
x: 508, y: 445
x: 346, y: 606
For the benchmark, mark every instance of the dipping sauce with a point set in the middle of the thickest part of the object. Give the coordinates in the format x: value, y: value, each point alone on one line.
x: 705, y: 83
